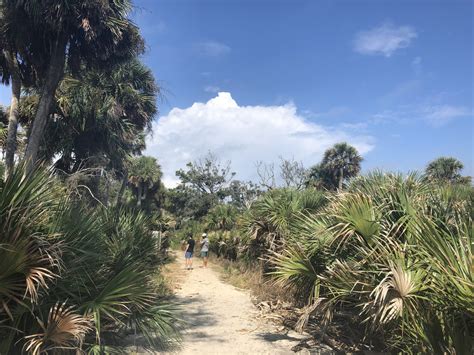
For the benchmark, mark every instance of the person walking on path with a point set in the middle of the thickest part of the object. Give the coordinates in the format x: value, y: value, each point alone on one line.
x: 188, y: 255
x: 204, y: 249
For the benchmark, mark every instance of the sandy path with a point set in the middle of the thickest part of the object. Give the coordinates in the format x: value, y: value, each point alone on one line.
x: 221, y: 319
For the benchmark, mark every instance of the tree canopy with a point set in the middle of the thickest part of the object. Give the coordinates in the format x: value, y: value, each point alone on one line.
x: 339, y: 163
x: 446, y: 169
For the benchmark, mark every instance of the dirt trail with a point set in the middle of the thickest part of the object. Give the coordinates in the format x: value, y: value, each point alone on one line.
x: 222, y: 319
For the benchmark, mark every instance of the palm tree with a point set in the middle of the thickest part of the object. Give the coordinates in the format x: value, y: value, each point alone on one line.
x: 144, y: 173
x: 106, y: 113
x: 320, y: 177
x: 445, y: 169
x: 10, y: 73
x: 222, y: 217
x: 343, y: 161
x: 47, y: 34
x: 13, y: 114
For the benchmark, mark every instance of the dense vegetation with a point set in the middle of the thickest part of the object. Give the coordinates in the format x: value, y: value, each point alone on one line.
x: 74, y: 276
x: 80, y: 243
x: 387, y: 256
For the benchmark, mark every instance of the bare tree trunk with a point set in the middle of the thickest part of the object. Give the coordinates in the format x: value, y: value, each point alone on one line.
x: 341, y: 177
x: 13, y: 115
x: 53, y: 76
x: 122, y: 188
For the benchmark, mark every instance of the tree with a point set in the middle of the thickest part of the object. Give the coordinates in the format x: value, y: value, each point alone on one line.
x: 320, y: 177
x: 186, y: 203
x: 222, y: 217
x: 145, y: 177
x: 266, y: 175
x: 98, y: 122
x: 242, y: 193
x: 292, y: 173
x: 342, y: 161
x: 203, y: 185
x: 14, y: 70
x: 49, y: 33
x: 207, y: 175
x: 10, y: 74
x: 446, y: 169
x: 106, y: 113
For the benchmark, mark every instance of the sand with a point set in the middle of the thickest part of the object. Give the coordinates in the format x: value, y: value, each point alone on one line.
x: 222, y: 319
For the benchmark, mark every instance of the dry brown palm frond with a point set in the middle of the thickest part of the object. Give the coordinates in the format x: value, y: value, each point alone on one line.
x: 64, y: 329
x: 317, y: 305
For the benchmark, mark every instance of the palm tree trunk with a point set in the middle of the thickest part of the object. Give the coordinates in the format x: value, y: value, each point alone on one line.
x: 13, y: 115
x: 341, y: 177
x: 139, y: 194
x: 145, y: 193
x: 107, y: 191
x: 53, y: 76
x: 122, y: 188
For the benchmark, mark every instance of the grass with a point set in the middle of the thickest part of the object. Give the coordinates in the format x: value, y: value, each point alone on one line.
x: 249, y: 276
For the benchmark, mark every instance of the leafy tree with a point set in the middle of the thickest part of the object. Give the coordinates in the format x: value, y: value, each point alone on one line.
x: 98, y: 122
x: 49, y: 33
x: 186, y: 203
x: 339, y: 163
x: 106, y: 113
x: 145, y: 178
x: 446, y: 169
x: 320, y: 177
x: 242, y: 193
x: 204, y: 184
x: 207, y: 175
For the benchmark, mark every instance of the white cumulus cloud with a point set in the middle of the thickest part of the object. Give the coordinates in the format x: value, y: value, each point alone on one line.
x: 384, y: 40
x: 243, y: 135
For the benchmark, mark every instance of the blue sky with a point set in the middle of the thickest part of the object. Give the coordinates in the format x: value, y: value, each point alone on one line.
x: 394, y: 78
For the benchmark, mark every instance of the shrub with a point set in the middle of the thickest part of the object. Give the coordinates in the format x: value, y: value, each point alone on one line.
x: 74, y: 277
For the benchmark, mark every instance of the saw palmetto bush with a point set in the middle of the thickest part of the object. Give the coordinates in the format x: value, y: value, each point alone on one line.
x: 74, y: 278
x: 396, y: 253
x: 266, y: 226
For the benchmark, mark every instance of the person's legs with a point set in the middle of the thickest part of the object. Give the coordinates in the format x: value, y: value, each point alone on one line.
x: 187, y: 258
x: 191, y: 261
x: 205, y: 260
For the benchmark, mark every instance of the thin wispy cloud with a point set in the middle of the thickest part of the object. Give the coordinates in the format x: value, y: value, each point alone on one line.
x: 416, y: 65
x: 211, y: 89
x: 336, y: 111
x: 212, y: 48
x: 242, y: 134
x: 435, y: 115
x: 441, y: 115
x: 402, y: 92
x: 384, y: 40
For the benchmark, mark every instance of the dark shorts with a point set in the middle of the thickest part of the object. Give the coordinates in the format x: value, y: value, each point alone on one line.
x: 204, y: 254
x: 188, y: 255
